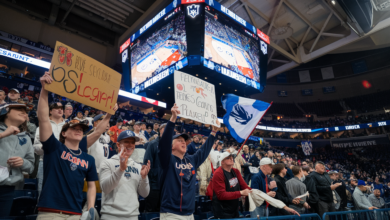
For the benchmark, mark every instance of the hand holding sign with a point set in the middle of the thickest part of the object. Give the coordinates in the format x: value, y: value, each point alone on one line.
x: 46, y: 78
x: 83, y: 79
x: 175, y: 112
x: 215, y: 128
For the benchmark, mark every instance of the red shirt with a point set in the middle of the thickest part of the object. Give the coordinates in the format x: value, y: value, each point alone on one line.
x: 219, y: 186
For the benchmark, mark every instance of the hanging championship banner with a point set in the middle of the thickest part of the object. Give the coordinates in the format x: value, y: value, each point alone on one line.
x: 307, y: 147
x: 83, y: 79
x: 195, y: 98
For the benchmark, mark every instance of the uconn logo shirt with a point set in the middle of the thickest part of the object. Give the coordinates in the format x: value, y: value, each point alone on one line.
x: 64, y: 174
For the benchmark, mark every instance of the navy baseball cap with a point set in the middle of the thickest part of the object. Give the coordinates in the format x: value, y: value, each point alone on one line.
x: 139, y: 123
x: 184, y: 135
x: 361, y: 183
x: 119, y: 120
x: 98, y: 117
x: 127, y: 134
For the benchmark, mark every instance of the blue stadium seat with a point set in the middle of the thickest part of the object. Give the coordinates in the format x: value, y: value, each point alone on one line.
x: 31, y: 217
x: 13, y: 218
x: 98, y: 205
x: 152, y: 216
x: 30, y: 184
x: 141, y: 206
x: 23, y: 206
x: 28, y: 193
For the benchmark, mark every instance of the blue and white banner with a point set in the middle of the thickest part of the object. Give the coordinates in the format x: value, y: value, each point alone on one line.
x: 24, y: 58
x: 328, y: 89
x: 282, y: 93
x: 307, y: 92
x: 242, y: 115
x: 307, y: 147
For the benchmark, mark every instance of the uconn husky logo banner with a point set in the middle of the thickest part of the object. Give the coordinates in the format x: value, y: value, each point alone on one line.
x: 242, y: 115
x: 307, y: 147
x: 193, y: 10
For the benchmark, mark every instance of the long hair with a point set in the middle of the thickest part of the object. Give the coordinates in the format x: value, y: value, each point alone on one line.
x: 22, y: 127
x: 64, y: 129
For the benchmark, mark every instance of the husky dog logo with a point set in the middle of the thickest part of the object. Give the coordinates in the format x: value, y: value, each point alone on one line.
x: 211, y: 2
x: 240, y: 114
x: 254, y: 29
x: 73, y: 166
x: 132, y: 38
x: 193, y: 10
x: 174, y: 3
x: 127, y: 175
x: 263, y: 47
x: 124, y: 56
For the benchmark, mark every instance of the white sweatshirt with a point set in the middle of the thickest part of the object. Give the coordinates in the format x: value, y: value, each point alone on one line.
x: 121, y: 189
x: 56, y: 128
x: 100, y: 150
x: 214, y: 157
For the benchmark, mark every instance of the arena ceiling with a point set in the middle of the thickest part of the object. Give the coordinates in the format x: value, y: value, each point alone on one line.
x: 300, y: 30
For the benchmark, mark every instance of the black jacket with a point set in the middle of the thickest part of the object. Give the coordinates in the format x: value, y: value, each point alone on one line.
x: 151, y: 154
x: 323, y: 182
x: 342, y: 191
x: 282, y: 195
x: 311, y: 187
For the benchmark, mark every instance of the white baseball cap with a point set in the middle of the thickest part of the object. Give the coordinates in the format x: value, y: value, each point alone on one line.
x: 266, y: 161
x: 227, y: 153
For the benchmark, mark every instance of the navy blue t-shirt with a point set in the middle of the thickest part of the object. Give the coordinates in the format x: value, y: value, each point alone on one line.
x: 64, y: 174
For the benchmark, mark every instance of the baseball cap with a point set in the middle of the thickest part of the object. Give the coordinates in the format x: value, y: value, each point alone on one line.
x: 56, y: 105
x: 184, y: 135
x: 361, y: 183
x: 75, y: 122
x: 266, y: 161
x: 16, y: 90
x: 98, y: 117
x: 127, y: 134
x: 332, y: 172
x: 229, y: 152
x: 139, y: 123
x: 119, y: 120
x: 5, y: 108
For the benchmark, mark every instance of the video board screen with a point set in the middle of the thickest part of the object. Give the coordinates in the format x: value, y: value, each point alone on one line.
x: 231, y: 45
x: 158, y: 48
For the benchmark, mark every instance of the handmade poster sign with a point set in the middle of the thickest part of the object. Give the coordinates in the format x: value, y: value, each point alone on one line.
x: 83, y: 79
x: 195, y: 98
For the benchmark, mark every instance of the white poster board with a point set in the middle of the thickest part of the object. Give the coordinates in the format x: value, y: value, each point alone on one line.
x: 195, y: 98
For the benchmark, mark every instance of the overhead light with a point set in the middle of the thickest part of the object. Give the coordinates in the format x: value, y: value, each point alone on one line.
x: 223, y: 93
x: 220, y: 83
x: 333, y: 2
x: 235, y: 90
x: 196, y: 74
x: 157, y: 93
x: 169, y: 87
x: 205, y: 77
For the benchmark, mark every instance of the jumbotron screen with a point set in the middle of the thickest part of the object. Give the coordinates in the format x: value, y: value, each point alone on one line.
x: 158, y: 48
x: 231, y: 45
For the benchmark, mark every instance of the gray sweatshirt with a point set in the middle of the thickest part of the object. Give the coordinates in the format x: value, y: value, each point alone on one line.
x: 296, y: 188
x: 120, y: 190
x: 360, y: 199
x: 16, y: 146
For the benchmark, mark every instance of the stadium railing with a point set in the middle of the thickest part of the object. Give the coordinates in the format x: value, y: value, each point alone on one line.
x: 287, y: 217
x: 378, y: 214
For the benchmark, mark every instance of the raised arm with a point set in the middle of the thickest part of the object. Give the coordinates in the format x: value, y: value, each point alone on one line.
x: 165, y: 143
x: 201, y: 155
x: 100, y: 129
x: 45, y: 130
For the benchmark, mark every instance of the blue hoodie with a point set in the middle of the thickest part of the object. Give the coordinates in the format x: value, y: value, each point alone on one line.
x: 193, y: 147
x: 171, y: 182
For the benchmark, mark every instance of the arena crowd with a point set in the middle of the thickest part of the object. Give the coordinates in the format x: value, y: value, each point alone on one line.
x: 73, y: 148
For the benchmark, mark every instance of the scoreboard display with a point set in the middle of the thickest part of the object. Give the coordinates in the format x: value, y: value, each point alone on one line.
x: 199, y: 33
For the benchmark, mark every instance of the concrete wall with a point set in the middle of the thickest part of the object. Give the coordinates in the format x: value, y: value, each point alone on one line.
x: 20, y: 24
x: 345, y: 87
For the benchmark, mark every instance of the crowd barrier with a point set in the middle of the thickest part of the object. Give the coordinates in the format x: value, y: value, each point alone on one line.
x: 378, y: 214
x: 286, y: 217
